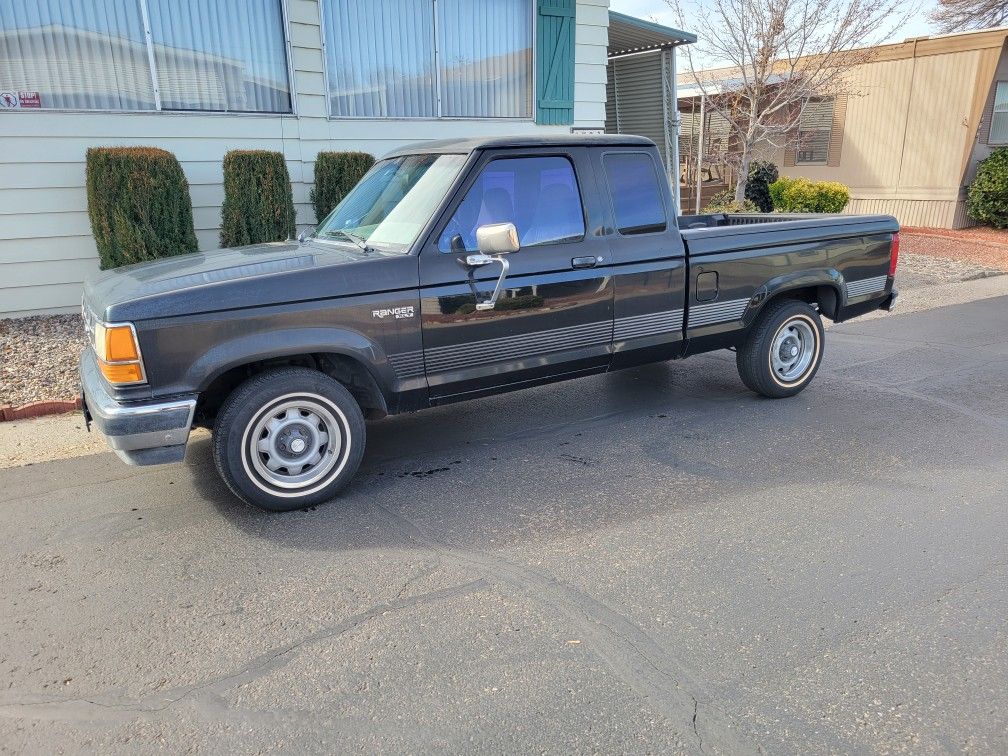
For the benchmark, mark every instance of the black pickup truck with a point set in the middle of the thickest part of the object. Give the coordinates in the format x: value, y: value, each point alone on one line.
x: 454, y: 270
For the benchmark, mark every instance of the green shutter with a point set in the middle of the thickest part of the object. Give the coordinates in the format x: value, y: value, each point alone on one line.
x: 555, y: 61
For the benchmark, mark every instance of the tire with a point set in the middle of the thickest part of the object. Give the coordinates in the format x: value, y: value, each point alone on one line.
x: 783, y: 350
x: 288, y: 438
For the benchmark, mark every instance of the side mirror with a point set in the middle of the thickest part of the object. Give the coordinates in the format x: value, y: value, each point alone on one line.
x: 497, y: 238
x: 305, y: 234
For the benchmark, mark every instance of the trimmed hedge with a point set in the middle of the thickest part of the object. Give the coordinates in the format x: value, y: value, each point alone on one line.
x: 336, y: 173
x: 139, y: 205
x: 258, y: 202
x: 987, y: 200
x: 799, y: 195
x: 762, y: 173
x: 724, y: 202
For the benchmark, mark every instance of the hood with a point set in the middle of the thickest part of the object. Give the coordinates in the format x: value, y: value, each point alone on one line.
x: 258, y: 275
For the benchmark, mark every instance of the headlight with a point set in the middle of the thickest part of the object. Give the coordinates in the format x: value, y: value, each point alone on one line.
x: 118, y: 353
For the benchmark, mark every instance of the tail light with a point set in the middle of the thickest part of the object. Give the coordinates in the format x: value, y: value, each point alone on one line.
x: 894, y: 254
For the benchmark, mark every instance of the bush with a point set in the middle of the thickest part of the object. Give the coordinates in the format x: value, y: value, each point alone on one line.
x: 258, y: 203
x: 139, y: 205
x: 799, y: 195
x: 724, y: 202
x: 336, y: 173
x: 987, y: 200
x: 762, y: 173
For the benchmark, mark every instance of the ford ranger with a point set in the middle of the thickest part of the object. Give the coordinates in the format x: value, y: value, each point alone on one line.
x: 454, y: 270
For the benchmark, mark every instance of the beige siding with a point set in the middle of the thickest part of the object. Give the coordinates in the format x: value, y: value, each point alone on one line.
x: 914, y: 128
x: 46, y: 247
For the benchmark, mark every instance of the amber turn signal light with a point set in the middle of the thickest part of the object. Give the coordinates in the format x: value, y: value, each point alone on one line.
x: 116, y: 344
x: 127, y: 373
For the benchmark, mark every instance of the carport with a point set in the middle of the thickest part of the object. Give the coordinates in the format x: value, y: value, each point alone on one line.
x: 641, y: 85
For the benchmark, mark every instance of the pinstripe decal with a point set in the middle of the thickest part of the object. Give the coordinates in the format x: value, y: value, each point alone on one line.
x: 408, y: 364
x: 866, y: 286
x: 717, y: 312
x: 457, y: 356
x: 636, y: 326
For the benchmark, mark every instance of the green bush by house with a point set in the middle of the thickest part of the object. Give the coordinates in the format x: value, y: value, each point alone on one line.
x: 258, y: 203
x: 139, y: 205
x: 336, y: 173
x: 799, y: 195
x: 762, y: 173
x: 724, y: 202
x: 987, y: 200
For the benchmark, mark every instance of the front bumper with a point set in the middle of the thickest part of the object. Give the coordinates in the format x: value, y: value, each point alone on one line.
x: 141, y: 433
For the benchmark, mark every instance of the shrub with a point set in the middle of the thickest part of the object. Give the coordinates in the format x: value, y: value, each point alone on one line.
x: 258, y: 203
x: 762, y: 173
x: 799, y: 195
x: 336, y: 173
x: 139, y: 205
x: 987, y: 200
x: 724, y: 202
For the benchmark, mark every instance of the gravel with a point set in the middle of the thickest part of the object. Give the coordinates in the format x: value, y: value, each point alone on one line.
x: 984, y: 247
x: 39, y: 358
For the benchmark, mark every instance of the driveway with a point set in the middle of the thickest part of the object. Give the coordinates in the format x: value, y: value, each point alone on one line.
x: 653, y: 560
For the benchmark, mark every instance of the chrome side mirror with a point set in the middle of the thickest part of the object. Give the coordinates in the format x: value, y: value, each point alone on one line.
x: 497, y: 238
x: 494, y: 240
x: 305, y: 234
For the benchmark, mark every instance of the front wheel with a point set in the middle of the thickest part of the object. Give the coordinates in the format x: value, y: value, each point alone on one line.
x: 783, y: 350
x: 288, y: 438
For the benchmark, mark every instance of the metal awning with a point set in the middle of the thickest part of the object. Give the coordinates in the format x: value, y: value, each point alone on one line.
x: 632, y: 35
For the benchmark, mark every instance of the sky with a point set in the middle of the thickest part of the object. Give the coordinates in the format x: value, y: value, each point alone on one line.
x: 660, y: 12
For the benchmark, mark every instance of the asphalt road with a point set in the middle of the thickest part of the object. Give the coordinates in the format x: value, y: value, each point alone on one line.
x: 654, y: 560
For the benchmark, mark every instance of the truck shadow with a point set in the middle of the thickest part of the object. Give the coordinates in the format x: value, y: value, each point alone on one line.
x: 567, y: 459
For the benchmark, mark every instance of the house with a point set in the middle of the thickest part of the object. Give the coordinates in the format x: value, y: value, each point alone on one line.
x: 906, y: 136
x: 297, y: 76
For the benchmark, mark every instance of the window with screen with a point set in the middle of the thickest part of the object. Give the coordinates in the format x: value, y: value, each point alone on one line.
x: 636, y: 195
x: 999, y: 118
x: 538, y: 194
x: 421, y: 59
x: 814, y: 129
x: 209, y: 55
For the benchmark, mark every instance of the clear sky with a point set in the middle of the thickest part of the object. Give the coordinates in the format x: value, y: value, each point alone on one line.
x: 659, y: 11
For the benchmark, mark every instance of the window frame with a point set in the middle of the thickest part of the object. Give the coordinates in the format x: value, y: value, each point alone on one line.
x: 457, y: 200
x: 156, y: 90
x: 658, y: 185
x: 533, y: 81
x: 829, y: 134
x: 994, y: 111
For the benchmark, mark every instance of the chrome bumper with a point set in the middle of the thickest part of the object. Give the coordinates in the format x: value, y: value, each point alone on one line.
x: 141, y: 433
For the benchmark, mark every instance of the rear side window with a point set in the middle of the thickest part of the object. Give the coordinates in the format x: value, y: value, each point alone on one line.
x: 636, y: 196
x: 538, y: 194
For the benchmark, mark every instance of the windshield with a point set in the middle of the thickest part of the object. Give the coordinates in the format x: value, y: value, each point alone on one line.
x: 393, y: 201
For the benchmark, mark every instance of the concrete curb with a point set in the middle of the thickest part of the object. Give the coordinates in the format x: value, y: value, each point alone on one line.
x: 38, y: 409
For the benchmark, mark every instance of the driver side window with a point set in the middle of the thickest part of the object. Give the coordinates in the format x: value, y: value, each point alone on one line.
x: 538, y: 194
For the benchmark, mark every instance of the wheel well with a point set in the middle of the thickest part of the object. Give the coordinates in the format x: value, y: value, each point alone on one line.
x: 350, y: 372
x: 824, y: 297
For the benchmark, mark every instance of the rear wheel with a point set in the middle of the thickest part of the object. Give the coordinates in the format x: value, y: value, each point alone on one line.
x: 288, y: 438
x: 783, y: 350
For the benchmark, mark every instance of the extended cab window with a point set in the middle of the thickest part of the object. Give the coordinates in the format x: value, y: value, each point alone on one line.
x: 538, y: 194
x: 636, y: 196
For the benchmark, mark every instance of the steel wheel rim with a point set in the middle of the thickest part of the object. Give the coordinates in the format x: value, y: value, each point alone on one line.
x: 793, y: 350
x: 295, y: 442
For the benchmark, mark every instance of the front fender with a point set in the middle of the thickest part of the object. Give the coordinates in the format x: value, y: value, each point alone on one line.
x: 255, y: 347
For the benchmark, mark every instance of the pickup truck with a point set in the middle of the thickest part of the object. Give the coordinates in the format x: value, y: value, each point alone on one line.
x: 454, y: 270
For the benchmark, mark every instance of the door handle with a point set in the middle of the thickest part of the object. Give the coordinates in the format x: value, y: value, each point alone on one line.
x: 589, y: 261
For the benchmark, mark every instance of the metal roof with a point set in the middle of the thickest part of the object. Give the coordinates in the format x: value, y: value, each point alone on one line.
x: 628, y: 34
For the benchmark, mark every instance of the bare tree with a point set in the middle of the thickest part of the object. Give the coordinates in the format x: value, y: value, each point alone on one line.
x: 774, y: 57
x: 961, y: 15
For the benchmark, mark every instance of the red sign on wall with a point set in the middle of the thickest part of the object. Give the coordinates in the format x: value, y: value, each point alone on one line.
x: 29, y: 100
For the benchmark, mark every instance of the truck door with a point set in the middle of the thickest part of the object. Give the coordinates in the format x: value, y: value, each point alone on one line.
x: 648, y: 255
x: 553, y: 317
